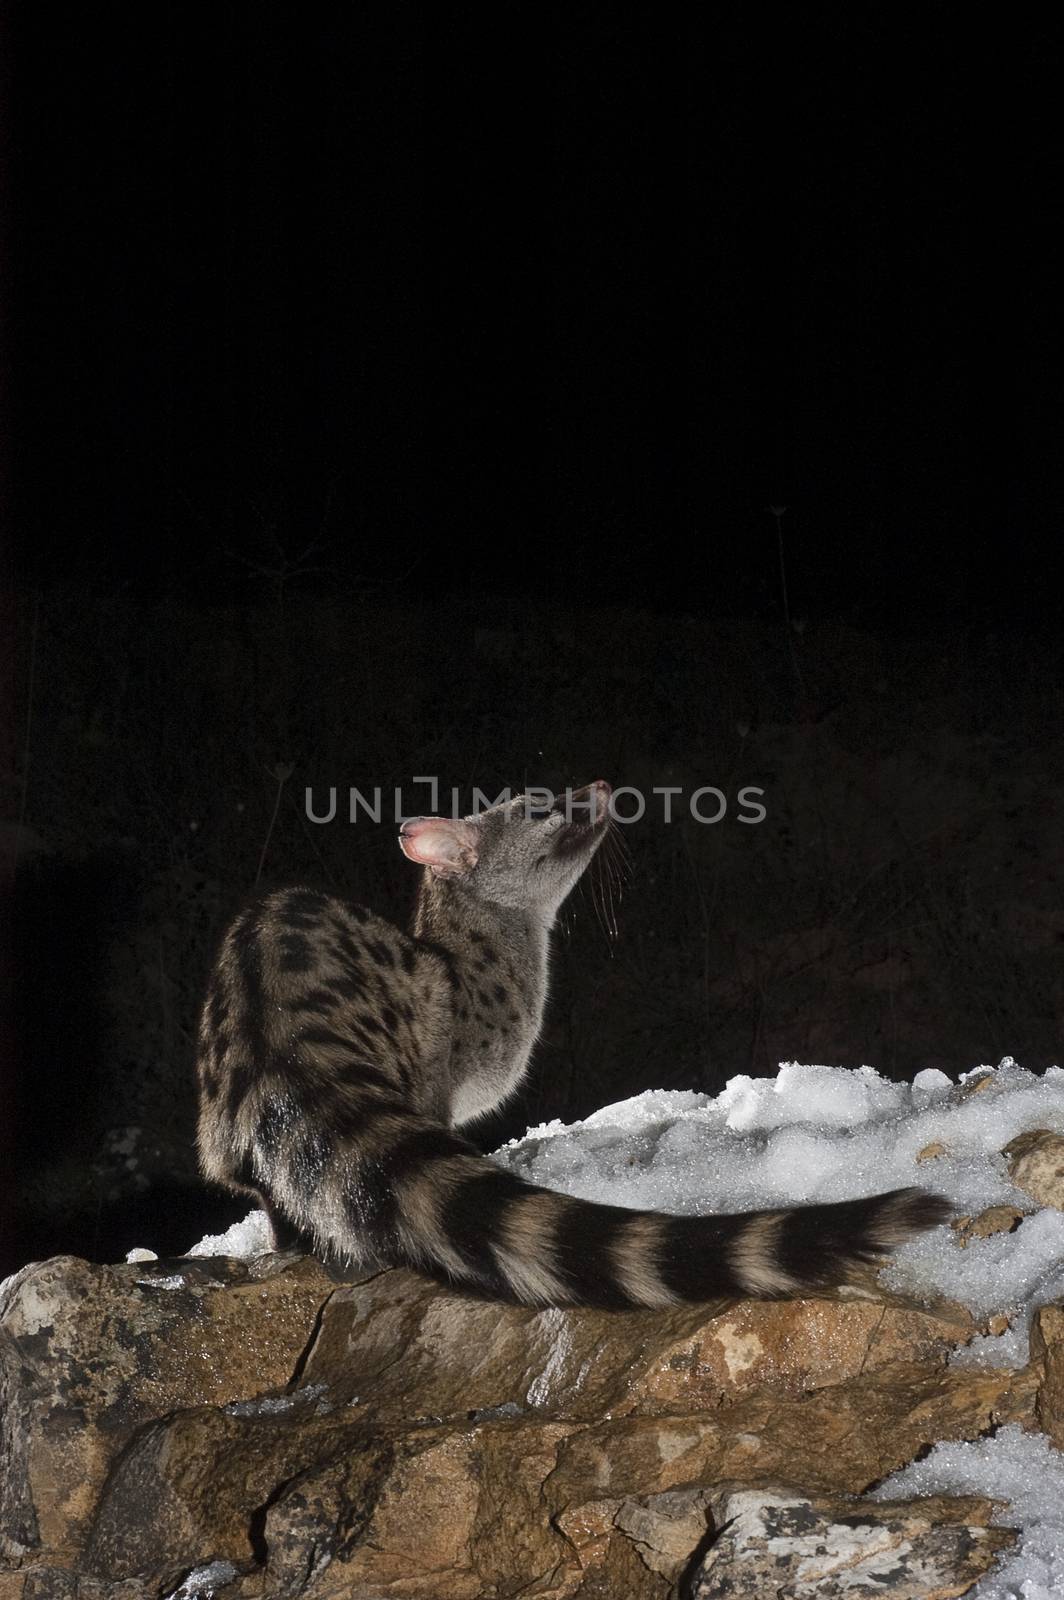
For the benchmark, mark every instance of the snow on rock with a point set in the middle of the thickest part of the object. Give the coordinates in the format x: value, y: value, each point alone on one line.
x: 203, y: 1582
x: 244, y: 1240
x: 818, y: 1133
x: 1021, y: 1469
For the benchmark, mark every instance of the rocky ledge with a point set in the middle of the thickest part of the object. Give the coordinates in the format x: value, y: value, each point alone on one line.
x: 217, y: 1427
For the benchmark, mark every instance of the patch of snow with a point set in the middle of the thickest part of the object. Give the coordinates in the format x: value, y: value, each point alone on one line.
x: 819, y: 1133
x: 141, y: 1255
x: 244, y: 1240
x: 175, y: 1281
x: 1020, y: 1468
x: 203, y: 1582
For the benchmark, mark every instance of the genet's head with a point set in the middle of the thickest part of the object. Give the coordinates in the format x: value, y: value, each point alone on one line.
x: 525, y: 853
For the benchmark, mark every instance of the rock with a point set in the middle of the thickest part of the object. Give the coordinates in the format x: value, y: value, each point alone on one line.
x: 995, y: 1219
x: 89, y: 1353
x: 779, y: 1541
x: 985, y: 1083
x: 666, y: 1528
x: 1047, y: 1348
x: 461, y: 1356
x: 932, y: 1151
x: 663, y: 1532
x: 390, y: 1438
x: 842, y: 1437
x: 1036, y: 1165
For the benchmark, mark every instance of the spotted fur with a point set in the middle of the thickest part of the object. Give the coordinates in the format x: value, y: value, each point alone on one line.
x: 338, y: 1055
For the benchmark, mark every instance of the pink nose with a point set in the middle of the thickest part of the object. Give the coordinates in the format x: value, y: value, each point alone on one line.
x: 596, y: 796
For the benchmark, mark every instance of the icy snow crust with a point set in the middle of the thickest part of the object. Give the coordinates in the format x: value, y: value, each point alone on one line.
x: 818, y: 1133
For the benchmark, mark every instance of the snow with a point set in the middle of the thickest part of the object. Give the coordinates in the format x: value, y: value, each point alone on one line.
x: 1020, y: 1468
x: 244, y: 1240
x: 817, y: 1133
x: 272, y: 1405
x: 820, y: 1133
x: 203, y: 1582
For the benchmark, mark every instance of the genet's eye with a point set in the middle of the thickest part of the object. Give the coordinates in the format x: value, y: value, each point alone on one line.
x: 540, y: 813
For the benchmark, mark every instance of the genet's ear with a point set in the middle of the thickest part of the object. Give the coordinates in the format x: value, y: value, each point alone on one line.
x: 448, y: 847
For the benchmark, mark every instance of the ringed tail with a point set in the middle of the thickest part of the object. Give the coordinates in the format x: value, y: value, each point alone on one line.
x: 422, y: 1196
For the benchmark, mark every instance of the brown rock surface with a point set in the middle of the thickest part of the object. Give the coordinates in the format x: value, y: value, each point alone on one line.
x: 995, y: 1219
x: 460, y: 1356
x: 389, y: 1438
x: 1047, y: 1348
x: 88, y: 1353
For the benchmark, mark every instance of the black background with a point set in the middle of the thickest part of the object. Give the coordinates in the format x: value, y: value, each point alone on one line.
x: 472, y: 311
x: 502, y: 301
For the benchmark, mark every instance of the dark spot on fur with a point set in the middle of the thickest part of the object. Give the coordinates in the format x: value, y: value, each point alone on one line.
x: 318, y: 1002
x: 296, y: 955
x: 305, y: 900
x: 329, y: 1038
x: 217, y: 1009
x: 380, y: 952
x: 499, y: 993
x: 470, y: 1219
x: 380, y: 1201
x: 359, y: 1074
x: 408, y: 958
x: 302, y: 908
x: 443, y: 954
x: 585, y: 1238
x: 347, y: 948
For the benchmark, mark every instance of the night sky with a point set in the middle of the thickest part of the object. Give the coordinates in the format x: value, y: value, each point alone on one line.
x: 440, y: 300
